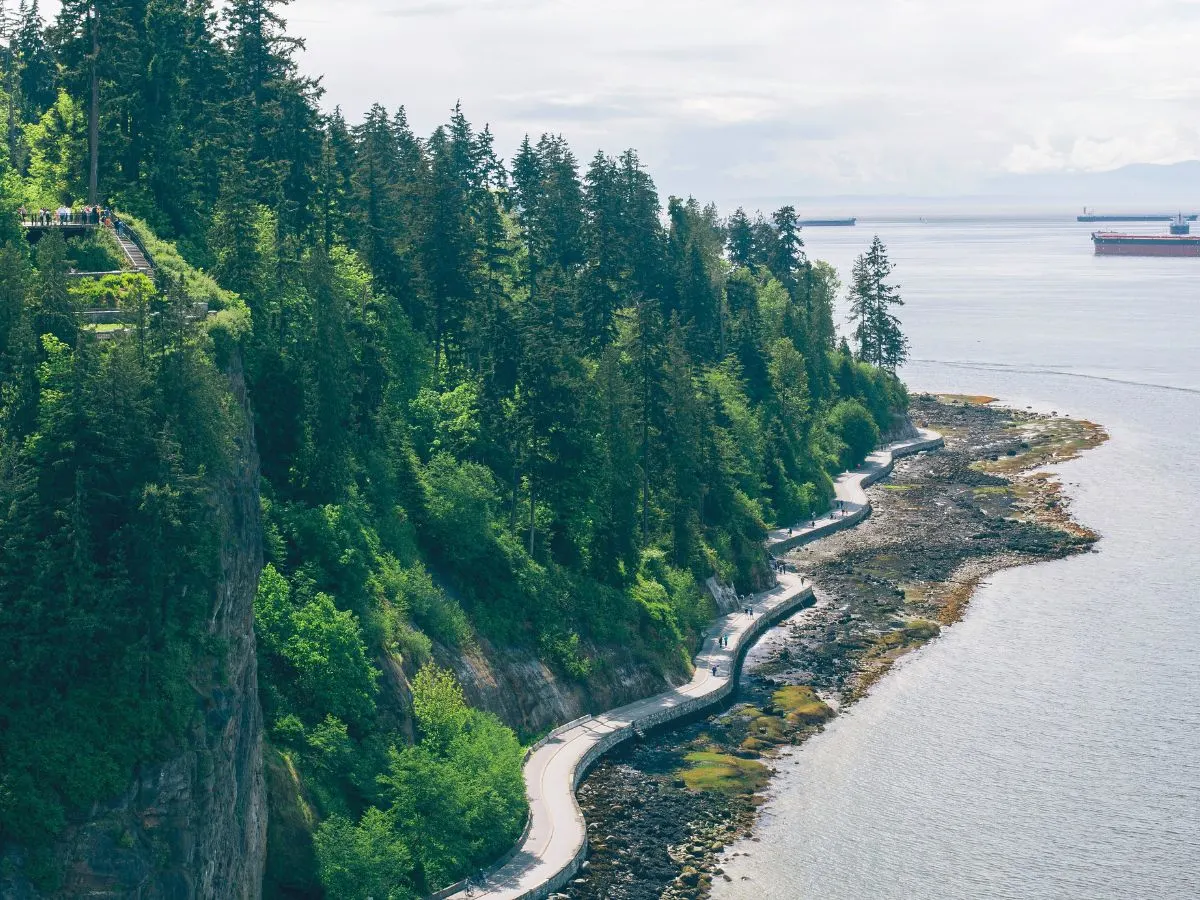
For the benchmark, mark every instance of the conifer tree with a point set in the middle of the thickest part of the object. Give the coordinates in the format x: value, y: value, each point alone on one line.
x: 740, y: 238
x: 36, y: 62
x: 877, y: 328
x: 604, y: 280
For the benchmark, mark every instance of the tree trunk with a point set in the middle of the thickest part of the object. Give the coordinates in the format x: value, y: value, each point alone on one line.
x: 532, y: 508
x: 645, y: 483
x: 94, y: 113
x: 516, y: 487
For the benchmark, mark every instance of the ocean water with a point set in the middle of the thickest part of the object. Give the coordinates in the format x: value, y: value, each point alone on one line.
x: 1048, y: 746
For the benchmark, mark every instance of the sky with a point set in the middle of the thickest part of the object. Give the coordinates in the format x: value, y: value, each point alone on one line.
x: 732, y: 100
x: 768, y: 97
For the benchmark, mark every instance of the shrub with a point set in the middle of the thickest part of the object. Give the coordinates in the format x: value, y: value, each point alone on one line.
x: 850, y: 421
x: 368, y: 859
x: 198, y: 285
x: 458, y: 793
x: 112, y: 291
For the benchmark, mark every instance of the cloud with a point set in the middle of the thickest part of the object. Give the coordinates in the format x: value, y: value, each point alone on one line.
x: 915, y: 96
x: 452, y: 7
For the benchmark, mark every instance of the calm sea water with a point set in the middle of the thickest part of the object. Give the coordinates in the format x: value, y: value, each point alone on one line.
x: 1049, y: 745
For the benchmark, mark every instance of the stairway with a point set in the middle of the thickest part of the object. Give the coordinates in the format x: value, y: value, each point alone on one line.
x: 137, y: 259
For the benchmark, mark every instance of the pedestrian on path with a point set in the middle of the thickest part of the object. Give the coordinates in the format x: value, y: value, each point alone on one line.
x: 714, y: 671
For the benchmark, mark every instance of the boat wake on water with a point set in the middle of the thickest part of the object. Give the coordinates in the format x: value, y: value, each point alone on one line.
x: 1024, y: 370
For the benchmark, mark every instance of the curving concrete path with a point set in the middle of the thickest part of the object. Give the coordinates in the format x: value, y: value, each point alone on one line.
x: 555, y: 840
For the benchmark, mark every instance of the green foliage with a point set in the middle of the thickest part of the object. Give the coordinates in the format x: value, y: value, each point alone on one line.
x: 363, y: 860
x: 520, y: 406
x: 110, y: 540
x: 451, y: 802
x: 193, y: 282
x: 316, y: 653
x: 447, y: 422
x: 112, y: 291
x: 877, y: 329
x: 853, y: 425
x: 438, y: 708
x: 57, y: 145
x: 458, y: 795
x: 95, y: 252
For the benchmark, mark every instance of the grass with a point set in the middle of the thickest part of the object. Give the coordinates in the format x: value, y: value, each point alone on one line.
x: 801, y: 705
x: 106, y: 327
x: 198, y: 284
x: 768, y: 729
x: 724, y: 774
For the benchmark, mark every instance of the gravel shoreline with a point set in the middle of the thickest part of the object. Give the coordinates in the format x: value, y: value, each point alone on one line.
x: 660, y: 812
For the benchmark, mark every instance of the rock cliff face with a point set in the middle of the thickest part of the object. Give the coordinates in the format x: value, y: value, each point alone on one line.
x: 529, y: 697
x: 193, y: 827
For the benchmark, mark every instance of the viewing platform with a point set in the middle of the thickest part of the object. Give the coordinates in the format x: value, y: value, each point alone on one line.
x: 35, y: 230
x: 80, y: 224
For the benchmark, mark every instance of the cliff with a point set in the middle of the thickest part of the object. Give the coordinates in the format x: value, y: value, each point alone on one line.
x: 193, y: 826
x: 530, y: 697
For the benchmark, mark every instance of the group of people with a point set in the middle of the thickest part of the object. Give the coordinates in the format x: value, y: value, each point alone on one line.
x: 66, y: 215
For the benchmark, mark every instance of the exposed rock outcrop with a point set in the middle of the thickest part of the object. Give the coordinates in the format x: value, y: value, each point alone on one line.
x: 530, y: 697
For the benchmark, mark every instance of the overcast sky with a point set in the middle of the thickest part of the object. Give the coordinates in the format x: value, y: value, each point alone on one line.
x: 732, y: 100
x: 775, y: 97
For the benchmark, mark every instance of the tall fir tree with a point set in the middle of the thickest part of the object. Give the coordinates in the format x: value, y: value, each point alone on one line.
x: 876, y: 328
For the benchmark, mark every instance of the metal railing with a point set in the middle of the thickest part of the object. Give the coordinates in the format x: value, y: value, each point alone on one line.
x: 55, y: 219
x: 129, y: 234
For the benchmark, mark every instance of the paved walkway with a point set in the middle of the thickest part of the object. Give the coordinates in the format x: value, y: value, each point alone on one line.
x: 850, y: 496
x: 555, y: 839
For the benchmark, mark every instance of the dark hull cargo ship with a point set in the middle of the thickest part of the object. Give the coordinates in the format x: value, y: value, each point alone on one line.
x: 1111, y: 243
x: 828, y: 223
x: 1091, y: 217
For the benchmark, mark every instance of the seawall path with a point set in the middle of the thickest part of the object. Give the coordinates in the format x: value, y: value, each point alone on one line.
x: 554, y: 843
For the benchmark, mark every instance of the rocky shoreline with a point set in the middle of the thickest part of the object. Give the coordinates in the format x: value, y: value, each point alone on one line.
x: 661, y: 811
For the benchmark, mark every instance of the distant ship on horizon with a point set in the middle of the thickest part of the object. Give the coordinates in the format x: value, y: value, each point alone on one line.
x: 829, y: 223
x: 1151, y: 217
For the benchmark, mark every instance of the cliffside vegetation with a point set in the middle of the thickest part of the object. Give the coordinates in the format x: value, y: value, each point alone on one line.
x: 521, y: 404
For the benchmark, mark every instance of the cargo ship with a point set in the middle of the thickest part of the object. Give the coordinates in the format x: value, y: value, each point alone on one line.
x: 1111, y: 243
x: 829, y: 223
x: 1092, y: 217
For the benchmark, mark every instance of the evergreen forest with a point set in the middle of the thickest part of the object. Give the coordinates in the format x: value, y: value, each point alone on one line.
x: 496, y: 402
